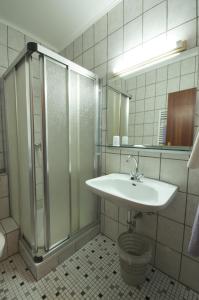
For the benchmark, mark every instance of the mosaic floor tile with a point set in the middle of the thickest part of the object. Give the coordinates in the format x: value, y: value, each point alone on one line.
x: 91, y: 273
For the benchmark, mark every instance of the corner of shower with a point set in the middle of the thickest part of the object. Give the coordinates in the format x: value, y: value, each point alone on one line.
x: 51, y: 108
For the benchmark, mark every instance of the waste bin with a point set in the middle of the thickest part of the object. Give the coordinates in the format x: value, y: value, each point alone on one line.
x: 135, y: 252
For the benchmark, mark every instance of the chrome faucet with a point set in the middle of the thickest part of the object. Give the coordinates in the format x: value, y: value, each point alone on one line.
x: 135, y: 175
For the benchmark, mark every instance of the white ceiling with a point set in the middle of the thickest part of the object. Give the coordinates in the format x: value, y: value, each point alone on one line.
x: 53, y: 22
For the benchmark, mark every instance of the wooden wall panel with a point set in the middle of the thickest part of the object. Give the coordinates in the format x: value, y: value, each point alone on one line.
x: 180, y: 118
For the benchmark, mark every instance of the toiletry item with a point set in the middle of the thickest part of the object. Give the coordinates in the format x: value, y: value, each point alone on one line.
x: 193, y: 248
x: 116, y: 140
x: 125, y: 140
x: 193, y: 162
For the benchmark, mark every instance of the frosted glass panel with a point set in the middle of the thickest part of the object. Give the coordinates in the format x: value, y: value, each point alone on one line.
x: 57, y: 151
x: 11, y: 126
x: 24, y: 151
x: 87, y: 127
x: 82, y: 129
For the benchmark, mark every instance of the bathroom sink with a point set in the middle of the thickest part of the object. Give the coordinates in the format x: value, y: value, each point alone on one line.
x: 148, y: 195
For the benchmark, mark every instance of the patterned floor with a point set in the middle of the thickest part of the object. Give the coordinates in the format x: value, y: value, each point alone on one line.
x: 91, y: 273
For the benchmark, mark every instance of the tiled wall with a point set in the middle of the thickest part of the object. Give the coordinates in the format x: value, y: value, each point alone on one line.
x: 7, y: 225
x: 129, y: 24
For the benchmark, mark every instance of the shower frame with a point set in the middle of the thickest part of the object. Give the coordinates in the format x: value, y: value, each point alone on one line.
x: 44, y: 53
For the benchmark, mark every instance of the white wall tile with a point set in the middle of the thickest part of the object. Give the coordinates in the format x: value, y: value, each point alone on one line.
x: 141, y: 80
x: 2, y: 70
x: 88, y: 38
x: 176, y: 209
x: 126, y: 165
x: 3, y: 34
x: 139, y: 130
x: 188, y: 65
x: 122, y: 228
x: 139, y: 117
x: 3, y: 186
x: 187, y: 237
x: 149, y: 116
x: 112, y: 163
x: 148, y: 130
x: 3, y: 56
x: 190, y: 273
x: 9, y: 225
x: 12, y: 242
x: 187, y: 81
x: 174, y: 70
x: 123, y: 215
x: 180, y: 12
x: 161, y: 88
x: 140, y: 93
x: 173, y: 85
x: 132, y: 9
x: 16, y: 39
x: 174, y: 172
x: 170, y: 233
x: 4, y: 208
x: 154, y: 21
x: 78, y: 46
x: 12, y: 54
x: 102, y: 223
x: 192, y: 204
x: 115, y: 43
x: 101, y: 52
x: 193, y: 186
x: 101, y: 29
x: 110, y: 228
x: 139, y: 106
x: 88, y: 58
x: 150, y: 91
x: 133, y: 34
x: 150, y: 77
x: 147, y: 226
x: 69, y: 51
x: 167, y: 260
x: 131, y: 83
x: 186, y: 32
x: 111, y: 210
x: 149, y: 103
x: 150, y: 3
x: 115, y: 18
x: 161, y: 102
x: 161, y: 74
x: 149, y: 166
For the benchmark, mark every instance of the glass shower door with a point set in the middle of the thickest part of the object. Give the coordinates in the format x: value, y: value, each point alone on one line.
x: 83, y: 119
x: 56, y: 153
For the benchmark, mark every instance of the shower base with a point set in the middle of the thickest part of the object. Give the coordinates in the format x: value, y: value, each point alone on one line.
x: 57, y: 255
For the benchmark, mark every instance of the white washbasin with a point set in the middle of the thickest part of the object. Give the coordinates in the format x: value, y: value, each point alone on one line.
x: 149, y: 195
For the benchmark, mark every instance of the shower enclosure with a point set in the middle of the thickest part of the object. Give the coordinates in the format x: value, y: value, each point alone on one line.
x: 51, y: 108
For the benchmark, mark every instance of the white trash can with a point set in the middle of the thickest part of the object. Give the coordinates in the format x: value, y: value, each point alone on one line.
x: 135, y: 253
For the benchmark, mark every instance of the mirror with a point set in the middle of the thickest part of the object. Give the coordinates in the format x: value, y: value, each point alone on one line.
x: 161, y: 102
x: 117, y: 117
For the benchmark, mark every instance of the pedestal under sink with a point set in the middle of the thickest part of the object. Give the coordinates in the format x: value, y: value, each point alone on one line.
x: 148, y: 195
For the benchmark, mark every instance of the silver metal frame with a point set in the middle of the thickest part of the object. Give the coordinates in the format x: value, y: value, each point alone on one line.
x: 32, y: 180
x: 44, y: 54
